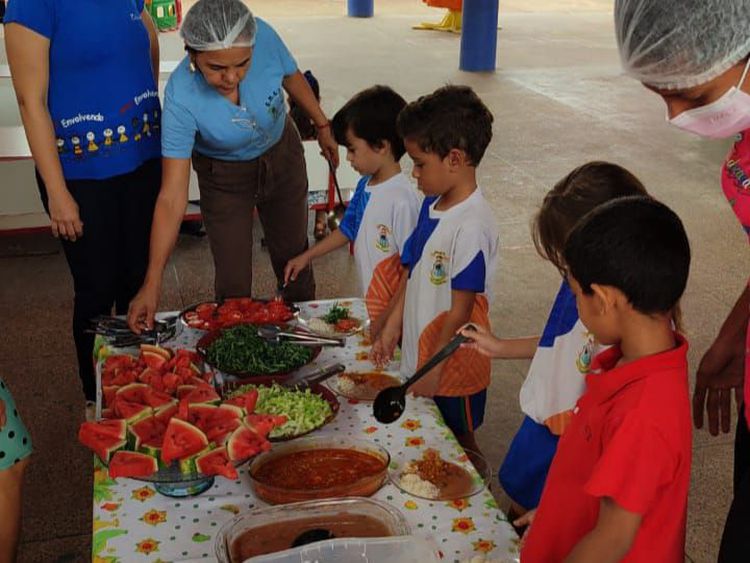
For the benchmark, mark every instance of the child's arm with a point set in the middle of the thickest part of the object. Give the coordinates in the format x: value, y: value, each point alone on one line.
x: 334, y: 240
x: 504, y: 348
x: 377, y: 324
x: 611, y: 538
x: 385, y: 342
x: 462, y: 303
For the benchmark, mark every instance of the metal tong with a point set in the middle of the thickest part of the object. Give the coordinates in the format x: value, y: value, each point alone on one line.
x: 303, y: 381
x: 273, y: 333
x: 117, y: 331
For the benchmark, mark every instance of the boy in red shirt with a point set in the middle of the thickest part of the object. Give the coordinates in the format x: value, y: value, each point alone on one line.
x: 618, y: 486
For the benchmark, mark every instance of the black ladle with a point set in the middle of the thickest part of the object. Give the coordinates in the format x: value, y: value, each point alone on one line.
x: 390, y: 402
x: 312, y: 536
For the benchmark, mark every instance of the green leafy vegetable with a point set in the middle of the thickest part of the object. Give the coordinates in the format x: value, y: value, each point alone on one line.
x: 336, y: 314
x: 240, y: 349
x: 305, y: 411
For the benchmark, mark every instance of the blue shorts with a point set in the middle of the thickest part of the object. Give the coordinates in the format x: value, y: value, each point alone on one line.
x: 525, y: 467
x: 463, y: 414
x: 15, y: 442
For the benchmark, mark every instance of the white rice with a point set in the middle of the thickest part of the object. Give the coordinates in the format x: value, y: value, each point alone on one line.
x: 414, y: 484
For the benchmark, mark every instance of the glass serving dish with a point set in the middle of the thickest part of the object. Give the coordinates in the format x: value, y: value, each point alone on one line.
x: 344, y: 386
x: 247, y: 534
x: 471, y: 479
x: 350, y: 485
x: 172, y: 482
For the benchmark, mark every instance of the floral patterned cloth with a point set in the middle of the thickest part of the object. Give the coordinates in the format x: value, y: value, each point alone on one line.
x: 133, y: 523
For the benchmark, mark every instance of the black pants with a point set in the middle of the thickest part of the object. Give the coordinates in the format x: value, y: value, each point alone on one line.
x: 109, y: 262
x: 735, y: 543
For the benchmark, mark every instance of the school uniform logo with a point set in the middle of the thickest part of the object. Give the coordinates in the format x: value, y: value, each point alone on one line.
x: 583, y: 361
x: 382, y: 242
x: 439, y: 271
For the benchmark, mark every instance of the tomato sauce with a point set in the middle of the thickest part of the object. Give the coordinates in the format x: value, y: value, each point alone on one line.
x: 319, y: 469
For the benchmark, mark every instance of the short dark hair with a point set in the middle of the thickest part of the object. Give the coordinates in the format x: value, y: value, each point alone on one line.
x: 371, y: 115
x: 452, y: 117
x: 585, y: 188
x: 635, y: 244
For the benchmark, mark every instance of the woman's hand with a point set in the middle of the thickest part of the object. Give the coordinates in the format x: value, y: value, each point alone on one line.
x: 63, y: 212
x: 721, y: 369
x: 384, y: 346
x: 522, y: 521
x: 143, y: 307
x: 328, y: 146
x: 295, y: 266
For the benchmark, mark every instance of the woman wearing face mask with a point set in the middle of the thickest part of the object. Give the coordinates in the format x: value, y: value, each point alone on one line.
x: 695, y: 55
x: 224, y: 108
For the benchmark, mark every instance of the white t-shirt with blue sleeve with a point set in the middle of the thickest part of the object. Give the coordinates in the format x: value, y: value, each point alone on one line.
x: 197, y: 117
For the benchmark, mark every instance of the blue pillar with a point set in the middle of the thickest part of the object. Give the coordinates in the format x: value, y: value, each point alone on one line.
x: 478, y: 35
x: 360, y: 8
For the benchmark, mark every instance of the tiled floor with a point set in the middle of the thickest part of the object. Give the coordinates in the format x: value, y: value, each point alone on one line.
x: 559, y: 99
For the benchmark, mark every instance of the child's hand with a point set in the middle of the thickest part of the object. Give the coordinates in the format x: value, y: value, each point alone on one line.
x: 525, y: 520
x: 482, y: 340
x: 383, y: 347
x: 295, y: 266
x: 428, y: 385
x: 3, y: 418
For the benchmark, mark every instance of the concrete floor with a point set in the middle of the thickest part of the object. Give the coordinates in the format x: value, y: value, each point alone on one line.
x: 559, y: 99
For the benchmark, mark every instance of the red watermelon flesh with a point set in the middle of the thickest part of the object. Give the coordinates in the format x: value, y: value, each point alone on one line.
x: 108, y: 393
x: 153, y: 359
x: 132, y: 464
x: 201, y: 415
x: 124, y: 377
x: 131, y: 412
x: 182, y: 440
x: 264, y: 423
x: 219, y: 430
x: 156, y: 399
x: 134, y: 393
x: 112, y: 428
x: 99, y: 440
x: 202, y: 395
x: 108, y: 414
x: 216, y: 462
x: 245, y: 443
x: 149, y: 431
x: 119, y: 361
x: 165, y: 413
x: 148, y: 374
x: 183, y: 390
x: 245, y: 401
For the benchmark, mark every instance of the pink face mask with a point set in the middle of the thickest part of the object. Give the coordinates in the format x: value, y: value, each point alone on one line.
x: 723, y: 118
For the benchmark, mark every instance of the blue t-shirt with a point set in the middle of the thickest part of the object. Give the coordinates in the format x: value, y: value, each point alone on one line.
x: 102, y: 97
x: 196, y: 116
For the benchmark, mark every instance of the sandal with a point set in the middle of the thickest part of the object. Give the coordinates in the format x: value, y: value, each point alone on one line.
x: 320, y: 230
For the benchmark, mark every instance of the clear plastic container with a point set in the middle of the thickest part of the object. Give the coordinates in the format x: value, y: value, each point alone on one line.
x: 283, y: 517
x: 404, y: 549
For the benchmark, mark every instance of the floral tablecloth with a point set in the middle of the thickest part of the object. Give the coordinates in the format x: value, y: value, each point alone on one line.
x: 132, y: 522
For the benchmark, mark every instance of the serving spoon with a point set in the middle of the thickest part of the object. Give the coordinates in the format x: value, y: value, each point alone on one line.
x: 390, y: 403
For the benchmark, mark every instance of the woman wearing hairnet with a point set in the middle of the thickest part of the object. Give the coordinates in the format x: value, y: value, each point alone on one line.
x: 224, y: 107
x: 694, y: 54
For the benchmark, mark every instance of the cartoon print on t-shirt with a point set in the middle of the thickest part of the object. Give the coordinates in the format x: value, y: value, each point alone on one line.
x: 136, y: 129
x: 382, y: 242
x: 155, y: 125
x: 75, y: 140
x: 146, y: 126
x: 439, y: 272
x: 121, y: 132
x: 61, y: 146
x: 108, y: 141
x: 92, y: 146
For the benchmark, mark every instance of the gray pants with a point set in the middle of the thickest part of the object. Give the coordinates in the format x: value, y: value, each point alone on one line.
x: 275, y: 183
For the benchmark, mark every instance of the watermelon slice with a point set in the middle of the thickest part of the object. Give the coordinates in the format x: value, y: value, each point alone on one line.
x: 181, y: 440
x: 148, y: 375
x: 157, y: 350
x: 157, y: 399
x: 201, y: 415
x: 123, y: 376
x: 234, y: 410
x: 132, y: 464
x: 147, y: 435
x: 262, y: 424
x: 216, y: 462
x: 246, y: 401
x: 108, y: 394
x: 134, y: 393
x: 219, y: 430
x: 153, y: 360
x: 131, y: 412
x: 245, y: 443
x: 183, y: 390
x: 202, y: 395
x: 108, y: 414
x: 103, y: 438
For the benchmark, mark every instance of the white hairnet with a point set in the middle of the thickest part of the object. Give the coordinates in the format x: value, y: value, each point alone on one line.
x: 212, y: 25
x: 673, y: 44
